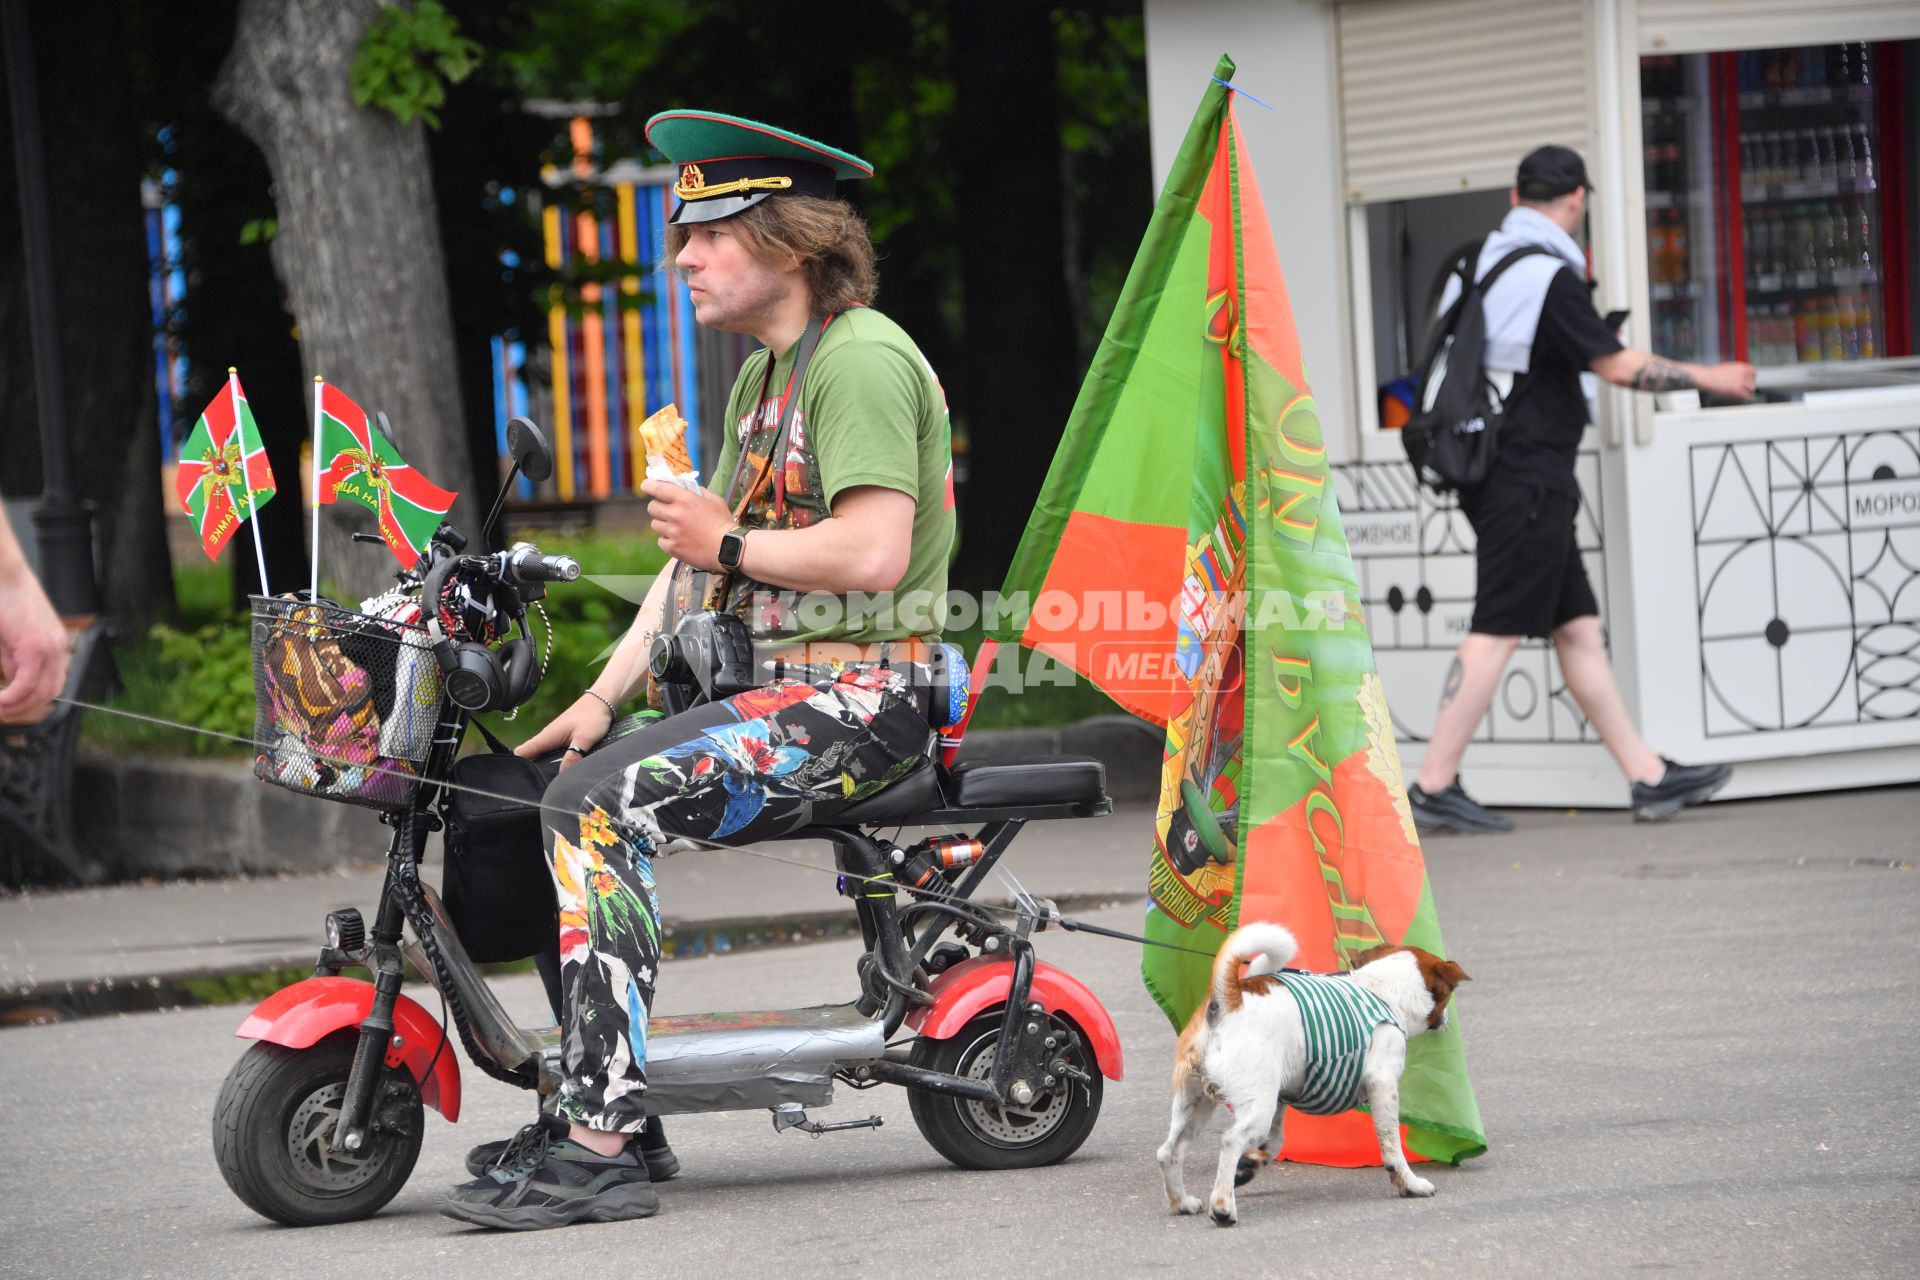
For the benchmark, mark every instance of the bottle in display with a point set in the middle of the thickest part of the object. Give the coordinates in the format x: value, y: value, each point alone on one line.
x: 1783, y: 348
x: 1806, y: 255
x: 1806, y: 333
x: 1869, y: 342
x: 1831, y: 346
x: 1863, y: 236
x: 1678, y: 269
x: 1863, y: 154
x: 1829, y: 237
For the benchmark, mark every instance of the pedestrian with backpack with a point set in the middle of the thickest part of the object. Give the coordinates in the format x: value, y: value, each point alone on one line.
x: 1505, y: 397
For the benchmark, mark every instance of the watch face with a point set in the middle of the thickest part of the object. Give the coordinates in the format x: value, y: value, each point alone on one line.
x: 731, y: 545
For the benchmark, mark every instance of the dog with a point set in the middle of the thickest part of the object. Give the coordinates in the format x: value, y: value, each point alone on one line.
x: 1248, y: 1047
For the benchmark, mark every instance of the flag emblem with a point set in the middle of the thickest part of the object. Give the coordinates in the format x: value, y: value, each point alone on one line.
x: 361, y: 464
x: 223, y: 477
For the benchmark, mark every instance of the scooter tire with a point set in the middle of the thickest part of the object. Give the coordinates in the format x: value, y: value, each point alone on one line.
x: 272, y: 1124
x: 976, y: 1135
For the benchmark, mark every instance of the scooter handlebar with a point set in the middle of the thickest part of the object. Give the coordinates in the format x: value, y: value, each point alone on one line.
x: 525, y: 563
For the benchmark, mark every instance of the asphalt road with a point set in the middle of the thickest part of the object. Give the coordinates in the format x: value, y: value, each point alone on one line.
x: 1693, y: 1046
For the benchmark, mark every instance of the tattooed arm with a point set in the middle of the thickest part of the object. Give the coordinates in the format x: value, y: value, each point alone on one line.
x: 1642, y: 371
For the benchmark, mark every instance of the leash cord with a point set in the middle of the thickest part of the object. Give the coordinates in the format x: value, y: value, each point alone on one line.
x: 931, y: 895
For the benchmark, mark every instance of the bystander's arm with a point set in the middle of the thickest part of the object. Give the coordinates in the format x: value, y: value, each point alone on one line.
x: 1644, y: 371
x: 33, y: 642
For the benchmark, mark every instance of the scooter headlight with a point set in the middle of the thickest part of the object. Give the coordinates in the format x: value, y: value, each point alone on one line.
x: 346, y: 931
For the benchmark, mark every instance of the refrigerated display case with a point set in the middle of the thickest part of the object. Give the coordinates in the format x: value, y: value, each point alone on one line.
x: 1775, y: 184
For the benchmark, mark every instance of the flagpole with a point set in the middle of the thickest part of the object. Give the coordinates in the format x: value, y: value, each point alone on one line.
x: 253, y: 512
x: 313, y: 590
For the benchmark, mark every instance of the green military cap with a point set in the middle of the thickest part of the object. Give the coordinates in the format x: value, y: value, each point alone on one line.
x: 728, y: 164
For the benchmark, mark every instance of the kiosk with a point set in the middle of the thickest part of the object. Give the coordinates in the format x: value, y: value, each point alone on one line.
x: 1758, y: 185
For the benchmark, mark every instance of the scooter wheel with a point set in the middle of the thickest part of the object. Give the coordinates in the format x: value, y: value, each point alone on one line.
x: 273, y: 1130
x: 982, y: 1135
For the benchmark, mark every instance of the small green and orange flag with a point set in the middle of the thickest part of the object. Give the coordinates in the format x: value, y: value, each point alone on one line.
x: 223, y: 477
x: 1187, y: 557
x: 355, y: 461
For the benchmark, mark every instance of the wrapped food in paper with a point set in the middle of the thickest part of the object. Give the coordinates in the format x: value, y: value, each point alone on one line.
x: 664, y: 436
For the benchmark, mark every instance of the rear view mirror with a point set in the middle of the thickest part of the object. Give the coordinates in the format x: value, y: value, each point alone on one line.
x: 528, y: 446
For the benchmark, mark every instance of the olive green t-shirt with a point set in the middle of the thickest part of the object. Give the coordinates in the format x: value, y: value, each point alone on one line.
x: 871, y: 412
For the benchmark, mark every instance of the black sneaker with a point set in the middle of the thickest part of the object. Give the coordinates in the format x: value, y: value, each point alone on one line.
x: 1450, y: 811
x: 661, y: 1163
x: 1680, y: 787
x: 554, y: 1183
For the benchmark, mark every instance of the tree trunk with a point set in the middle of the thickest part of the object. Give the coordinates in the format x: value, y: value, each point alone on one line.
x: 1021, y: 366
x: 100, y: 268
x: 357, y: 249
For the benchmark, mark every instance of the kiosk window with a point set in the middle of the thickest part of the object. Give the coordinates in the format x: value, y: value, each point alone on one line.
x: 1409, y: 243
x: 1780, y: 205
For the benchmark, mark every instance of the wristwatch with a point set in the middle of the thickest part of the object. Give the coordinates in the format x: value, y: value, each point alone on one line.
x: 732, y: 543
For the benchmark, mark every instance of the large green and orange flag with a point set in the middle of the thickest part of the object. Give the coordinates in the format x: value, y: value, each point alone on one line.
x: 223, y: 477
x: 1187, y: 557
x: 358, y: 462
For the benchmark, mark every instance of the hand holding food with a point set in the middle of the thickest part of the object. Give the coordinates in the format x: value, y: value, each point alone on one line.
x: 664, y: 436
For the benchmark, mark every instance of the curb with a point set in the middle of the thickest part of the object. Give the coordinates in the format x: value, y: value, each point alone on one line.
x: 168, y: 818
x: 41, y: 1004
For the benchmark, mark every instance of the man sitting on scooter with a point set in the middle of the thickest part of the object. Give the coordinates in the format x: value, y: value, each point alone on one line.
x: 845, y: 494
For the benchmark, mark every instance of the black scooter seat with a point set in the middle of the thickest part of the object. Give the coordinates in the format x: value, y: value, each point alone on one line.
x: 1024, y: 780
x: 1010, y: 787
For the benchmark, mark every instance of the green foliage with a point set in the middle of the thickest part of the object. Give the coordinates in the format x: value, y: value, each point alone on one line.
x: 201, y: 676
x: 587, y: 617
x: 407, y: 58
x: 204, y: 590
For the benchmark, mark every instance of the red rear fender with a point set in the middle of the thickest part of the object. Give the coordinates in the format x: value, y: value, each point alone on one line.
x: 973, y: 986
x: 307, y: 1012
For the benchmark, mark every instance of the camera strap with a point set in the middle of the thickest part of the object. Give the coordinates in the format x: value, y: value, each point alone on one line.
x: 773, y: 465
x: 789, y: 401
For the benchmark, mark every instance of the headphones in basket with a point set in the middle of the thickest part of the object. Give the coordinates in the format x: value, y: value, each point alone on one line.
x: 478, y: 678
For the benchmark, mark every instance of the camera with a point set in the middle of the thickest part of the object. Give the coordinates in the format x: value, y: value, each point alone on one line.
x: 709, y: 656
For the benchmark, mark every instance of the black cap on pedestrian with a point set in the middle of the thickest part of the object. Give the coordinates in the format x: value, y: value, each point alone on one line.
x: 1551, y: 172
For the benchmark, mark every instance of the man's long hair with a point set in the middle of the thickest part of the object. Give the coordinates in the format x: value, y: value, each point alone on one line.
x: 826, y: 237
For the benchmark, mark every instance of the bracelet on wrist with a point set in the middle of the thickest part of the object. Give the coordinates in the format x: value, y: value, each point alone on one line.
x: 611, y: 709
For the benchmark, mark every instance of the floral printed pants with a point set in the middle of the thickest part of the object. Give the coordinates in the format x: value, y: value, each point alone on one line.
x: 754, y: 767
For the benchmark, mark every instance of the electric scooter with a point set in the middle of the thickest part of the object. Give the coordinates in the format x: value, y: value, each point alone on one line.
x: 321, y: 1120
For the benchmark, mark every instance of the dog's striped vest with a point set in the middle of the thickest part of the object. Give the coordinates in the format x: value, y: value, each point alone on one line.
x: 1339, y: 1016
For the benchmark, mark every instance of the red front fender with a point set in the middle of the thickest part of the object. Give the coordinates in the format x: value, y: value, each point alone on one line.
x: 301, y: 1015
x: 973, y: 986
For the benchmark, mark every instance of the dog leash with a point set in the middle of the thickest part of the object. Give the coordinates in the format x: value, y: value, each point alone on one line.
x: 1066, y: 923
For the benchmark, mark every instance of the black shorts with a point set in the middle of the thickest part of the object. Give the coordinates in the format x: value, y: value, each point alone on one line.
x: 1531, y: 576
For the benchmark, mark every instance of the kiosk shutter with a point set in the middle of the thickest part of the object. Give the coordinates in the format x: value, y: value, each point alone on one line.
x: 1700, y: 26
x: 1443, y: 96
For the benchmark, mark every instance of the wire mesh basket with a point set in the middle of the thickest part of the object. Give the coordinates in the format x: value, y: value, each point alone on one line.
x: 345, y: 704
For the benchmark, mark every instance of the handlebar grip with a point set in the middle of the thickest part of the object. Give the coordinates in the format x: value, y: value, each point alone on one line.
x: 526, y: 563
x: 558, y: 569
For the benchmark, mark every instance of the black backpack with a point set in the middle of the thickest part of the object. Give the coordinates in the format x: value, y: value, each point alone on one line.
x: 1454, y: 432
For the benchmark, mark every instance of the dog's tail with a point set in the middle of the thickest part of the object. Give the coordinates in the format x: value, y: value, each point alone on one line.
x: 1249, y: 942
